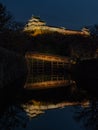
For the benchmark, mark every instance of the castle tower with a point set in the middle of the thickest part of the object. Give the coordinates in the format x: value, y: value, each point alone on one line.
x: 34, y: 22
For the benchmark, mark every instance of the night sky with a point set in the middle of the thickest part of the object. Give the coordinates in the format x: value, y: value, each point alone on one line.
x: 71, y: 14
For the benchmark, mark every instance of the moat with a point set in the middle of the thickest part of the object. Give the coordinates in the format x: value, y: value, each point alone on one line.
x: 64, y: 105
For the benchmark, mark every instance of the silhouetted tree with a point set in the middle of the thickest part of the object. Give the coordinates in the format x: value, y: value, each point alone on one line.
x: 12, y: 36
x: 7, y: 21
x: 5, y: 18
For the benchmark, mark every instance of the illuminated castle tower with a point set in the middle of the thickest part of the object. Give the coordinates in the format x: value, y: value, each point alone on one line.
x: 34, y: 22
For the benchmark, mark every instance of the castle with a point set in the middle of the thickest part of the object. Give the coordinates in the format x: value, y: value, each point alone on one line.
x: 36, y: 26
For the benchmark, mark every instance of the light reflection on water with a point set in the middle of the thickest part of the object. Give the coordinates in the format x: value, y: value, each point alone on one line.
x: 63, y: 107
x: 47, y: 81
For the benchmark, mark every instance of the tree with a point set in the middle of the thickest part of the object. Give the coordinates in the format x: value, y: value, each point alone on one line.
x: 5, y: 18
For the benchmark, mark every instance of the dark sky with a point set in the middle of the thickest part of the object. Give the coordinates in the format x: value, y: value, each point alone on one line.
x: 72, y: 14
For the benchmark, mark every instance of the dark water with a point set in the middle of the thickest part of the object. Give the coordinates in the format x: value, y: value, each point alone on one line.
x: 67, y: 106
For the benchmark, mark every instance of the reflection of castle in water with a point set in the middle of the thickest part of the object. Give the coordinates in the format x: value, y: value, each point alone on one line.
x: 34, y: 108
